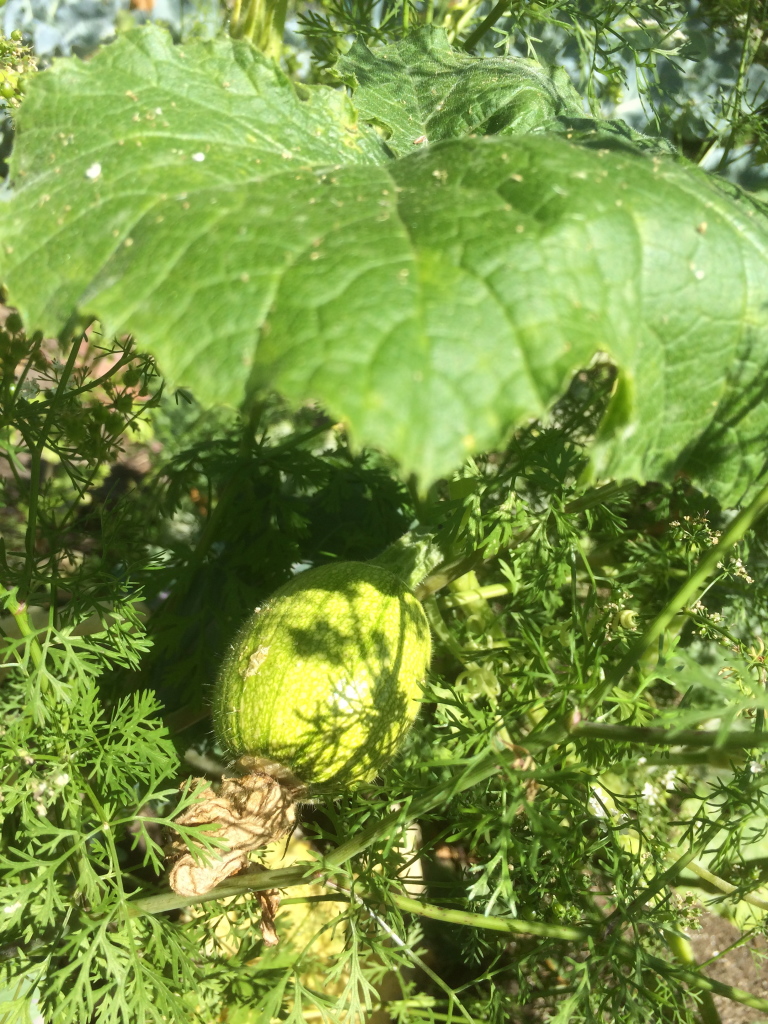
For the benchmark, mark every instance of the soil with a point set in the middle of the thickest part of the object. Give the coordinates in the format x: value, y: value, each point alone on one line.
x: 742, y: 967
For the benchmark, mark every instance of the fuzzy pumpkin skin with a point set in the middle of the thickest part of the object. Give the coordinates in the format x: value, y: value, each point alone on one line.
x: 324, y: 679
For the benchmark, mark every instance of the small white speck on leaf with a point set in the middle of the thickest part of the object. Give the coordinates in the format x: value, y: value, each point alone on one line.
x: 198, y: 157
x: 93, y: 172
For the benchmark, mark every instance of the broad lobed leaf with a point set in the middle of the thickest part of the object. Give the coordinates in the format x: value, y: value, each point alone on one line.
x: 252, y: 233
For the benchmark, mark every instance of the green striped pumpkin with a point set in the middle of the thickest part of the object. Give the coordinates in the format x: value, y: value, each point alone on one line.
x: 324, y: 680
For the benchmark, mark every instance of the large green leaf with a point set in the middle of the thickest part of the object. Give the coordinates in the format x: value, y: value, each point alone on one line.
x: 422, y: 90
x: 252, y: 234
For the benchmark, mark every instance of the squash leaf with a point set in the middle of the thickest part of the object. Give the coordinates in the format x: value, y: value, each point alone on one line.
x: 257, y: 234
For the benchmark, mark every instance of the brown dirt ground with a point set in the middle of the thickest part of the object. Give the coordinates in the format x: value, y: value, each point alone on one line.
x: 739, y: 967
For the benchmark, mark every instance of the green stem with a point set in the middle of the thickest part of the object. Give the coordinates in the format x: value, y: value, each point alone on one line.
x: 412, y: 557
x: 125, y: 358
x: 684, y: 595
x: 18, y: 610
x: 451, y: 571
x: 682, y: 949
x: 10, y: 411
x: 700, y: 981
x: 656, y: 737
x: 723, y: 886
x: 36, y: 453
x: 283, y: 878
x: 664, y: 878
x: 487, y: 23
x: 262, y: 22
x: 508, y: 925
x: 412, y: 956
x: 738, y: 89
x: 278, y: 29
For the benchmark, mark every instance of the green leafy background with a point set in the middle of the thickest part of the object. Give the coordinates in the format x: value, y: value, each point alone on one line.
x: 431, y: 265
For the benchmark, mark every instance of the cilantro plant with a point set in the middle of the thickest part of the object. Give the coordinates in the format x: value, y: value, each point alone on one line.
x: 255, y: 325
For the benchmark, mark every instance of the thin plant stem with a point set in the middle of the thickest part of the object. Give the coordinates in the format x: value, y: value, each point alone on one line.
x: 569, y: 933
x: 36, y: 454
x: 18, y: 610
x: 124, y: 359
x: 508, y: 925
x: 665, y: 877
x: 681, y: 947
x: 698, y: 981
x: 235, y: 18
x: 683, y: 596
x: 723, y: 886
x: 19, y: 383
x: 738, y: 89
x: 485, y: 25
x: 414, y: 957
x: 656, y: 737
x: 282, y: 878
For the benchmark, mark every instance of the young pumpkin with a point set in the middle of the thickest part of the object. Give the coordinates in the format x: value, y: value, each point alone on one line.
x: 319, y: 688
x: 323, y: 681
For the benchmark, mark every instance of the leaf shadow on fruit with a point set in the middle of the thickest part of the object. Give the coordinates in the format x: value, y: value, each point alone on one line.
x: 365, y: 693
